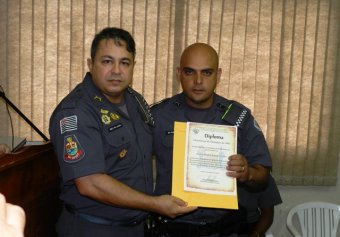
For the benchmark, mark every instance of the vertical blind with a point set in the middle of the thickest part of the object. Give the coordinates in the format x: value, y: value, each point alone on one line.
x: 278, y: 57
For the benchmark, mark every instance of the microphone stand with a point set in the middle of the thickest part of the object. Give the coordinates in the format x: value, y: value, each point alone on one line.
x: 2, y: 94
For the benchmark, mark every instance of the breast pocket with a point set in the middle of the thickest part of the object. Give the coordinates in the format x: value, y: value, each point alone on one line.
x: 168, y: 137
x: 117, y: 135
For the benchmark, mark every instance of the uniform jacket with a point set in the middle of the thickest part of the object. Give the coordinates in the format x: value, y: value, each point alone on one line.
x: 91, y: 135
x: 250, y: 139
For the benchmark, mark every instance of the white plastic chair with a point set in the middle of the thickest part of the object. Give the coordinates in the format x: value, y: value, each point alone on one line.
x: 316, y: 219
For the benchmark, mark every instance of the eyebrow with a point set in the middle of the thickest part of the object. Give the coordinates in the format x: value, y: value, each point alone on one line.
x: 204, y: 69
x: 121, y: 59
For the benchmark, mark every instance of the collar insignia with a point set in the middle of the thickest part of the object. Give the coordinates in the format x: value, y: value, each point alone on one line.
x: 98, y: 98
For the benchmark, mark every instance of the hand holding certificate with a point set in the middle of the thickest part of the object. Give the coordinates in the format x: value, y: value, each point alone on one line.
x: 200, y: 157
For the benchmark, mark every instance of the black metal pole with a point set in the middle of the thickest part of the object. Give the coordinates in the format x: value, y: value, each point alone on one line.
x: 2, y: 94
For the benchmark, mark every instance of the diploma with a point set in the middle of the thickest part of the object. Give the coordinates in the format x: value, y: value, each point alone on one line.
x: 208, y: 147
x: 200, y: 155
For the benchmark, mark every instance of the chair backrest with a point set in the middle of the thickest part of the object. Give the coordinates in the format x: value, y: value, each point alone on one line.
x: 316, y: 219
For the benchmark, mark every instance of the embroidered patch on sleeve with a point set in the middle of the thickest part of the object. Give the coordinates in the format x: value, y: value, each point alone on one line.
x: 68, y: 124
x: 73, y: 150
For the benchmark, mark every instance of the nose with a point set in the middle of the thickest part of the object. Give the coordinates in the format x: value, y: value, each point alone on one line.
x: 198, y: 79
x: 115, y: 68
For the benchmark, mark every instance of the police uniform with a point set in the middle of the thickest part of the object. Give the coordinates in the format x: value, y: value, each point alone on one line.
x: 91, y: 135
x: 267, y: 198
x: 250, y: 143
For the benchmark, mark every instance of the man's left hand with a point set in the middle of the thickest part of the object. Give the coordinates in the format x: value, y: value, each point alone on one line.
x: 237, y: 167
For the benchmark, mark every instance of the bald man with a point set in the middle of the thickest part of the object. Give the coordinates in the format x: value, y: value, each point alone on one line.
x: 199, y: 74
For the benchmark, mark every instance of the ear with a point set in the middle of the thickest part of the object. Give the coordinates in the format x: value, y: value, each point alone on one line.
x: 89, y: 64
x: 219, y: 72
x: 178, y: 73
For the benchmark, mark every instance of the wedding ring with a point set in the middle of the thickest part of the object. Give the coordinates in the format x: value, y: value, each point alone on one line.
x: 243, y: 168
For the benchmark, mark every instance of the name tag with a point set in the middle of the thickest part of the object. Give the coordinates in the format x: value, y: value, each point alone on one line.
x: 117, y: 126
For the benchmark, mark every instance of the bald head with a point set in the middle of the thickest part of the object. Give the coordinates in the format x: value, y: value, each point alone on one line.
x: 199, y: 74
x: 199, y: 52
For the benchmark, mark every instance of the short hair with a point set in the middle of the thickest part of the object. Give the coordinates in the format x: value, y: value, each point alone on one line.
x: 117, y: 35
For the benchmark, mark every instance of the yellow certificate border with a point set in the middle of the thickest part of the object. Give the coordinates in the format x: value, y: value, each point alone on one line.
x: 194, y: 198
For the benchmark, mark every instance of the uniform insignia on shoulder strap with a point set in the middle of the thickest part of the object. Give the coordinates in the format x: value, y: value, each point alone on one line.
x: 98, y: 98
x: 236, y: 114
x: 143, y: 107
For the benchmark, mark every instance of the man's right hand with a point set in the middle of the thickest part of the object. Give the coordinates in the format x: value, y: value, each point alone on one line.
x: 171, y: 206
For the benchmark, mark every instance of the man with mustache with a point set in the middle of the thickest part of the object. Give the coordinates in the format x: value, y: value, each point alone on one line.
x: 101, y: 133
x: 199, y: 74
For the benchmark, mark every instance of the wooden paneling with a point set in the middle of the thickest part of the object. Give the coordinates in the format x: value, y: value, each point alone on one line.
x: 29, y: 178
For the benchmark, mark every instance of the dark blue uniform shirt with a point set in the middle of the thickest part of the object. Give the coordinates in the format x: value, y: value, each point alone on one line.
x: 91, y: 135
x: 267, y: 198
x: 250, y: 142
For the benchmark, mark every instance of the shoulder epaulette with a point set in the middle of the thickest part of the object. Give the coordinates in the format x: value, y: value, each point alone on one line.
x: 143, y: 107
x: 236, y: 114
x: 71, y: 100
x: 159, y: 102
